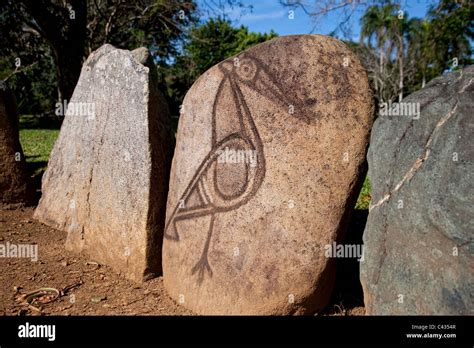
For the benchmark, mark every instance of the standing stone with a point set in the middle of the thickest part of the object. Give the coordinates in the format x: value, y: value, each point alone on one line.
x: 418, y: 238
x: 14, y: 181
x: 106, y: 181
x: 270, y: 146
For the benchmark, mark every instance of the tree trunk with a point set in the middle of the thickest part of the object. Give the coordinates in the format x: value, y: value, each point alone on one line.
x: 400, y: 61
x: 381, y: 77
x: 68, y: 68
x: 64, y: 28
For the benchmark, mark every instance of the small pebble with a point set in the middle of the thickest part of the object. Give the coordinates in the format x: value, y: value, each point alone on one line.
x: 97, y: 299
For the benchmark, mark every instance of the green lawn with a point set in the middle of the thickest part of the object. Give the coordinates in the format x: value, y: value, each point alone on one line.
x: 364, y: 196
x: 38, y: 143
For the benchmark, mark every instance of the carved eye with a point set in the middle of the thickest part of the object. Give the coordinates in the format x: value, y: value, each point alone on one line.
x: 247, y: 69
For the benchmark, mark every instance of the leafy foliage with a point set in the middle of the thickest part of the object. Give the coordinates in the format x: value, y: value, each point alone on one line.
x: 207, y: 45
x: 402, y: 54
x: 57, y: 36
x: 451, y: 28
x: 26, y: 65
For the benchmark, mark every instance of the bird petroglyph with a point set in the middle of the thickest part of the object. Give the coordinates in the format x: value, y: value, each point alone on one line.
x: 219, y: 184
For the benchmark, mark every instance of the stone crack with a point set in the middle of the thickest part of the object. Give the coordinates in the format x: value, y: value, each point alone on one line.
x: 419, y: 161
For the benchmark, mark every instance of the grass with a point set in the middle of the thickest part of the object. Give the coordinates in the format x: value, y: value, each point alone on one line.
x: 37, y: 141
x: 364, y: 196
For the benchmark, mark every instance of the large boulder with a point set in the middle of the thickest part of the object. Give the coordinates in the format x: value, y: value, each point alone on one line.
x: 107, y: 176
x: 14, y: 182
x: 418, y: 238
x: 270, y: 147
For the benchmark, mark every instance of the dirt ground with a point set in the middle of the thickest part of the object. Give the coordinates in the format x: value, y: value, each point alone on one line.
x: 78, y: 286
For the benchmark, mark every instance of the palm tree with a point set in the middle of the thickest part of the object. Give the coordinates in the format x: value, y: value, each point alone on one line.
x: 420, y: 47
x: 383, y: 25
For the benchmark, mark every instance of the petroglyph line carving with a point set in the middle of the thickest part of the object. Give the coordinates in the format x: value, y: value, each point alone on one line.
x: 220, y: 187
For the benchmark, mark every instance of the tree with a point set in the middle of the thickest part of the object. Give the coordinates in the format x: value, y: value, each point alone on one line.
x: 65, y: 31
x: 26, y: 66
x: 75, y: 28
x: 207, y: 45
x: 402, y: 54
x: 420, y: 52
x: 451, y: 29
x: 217, y: 40
x: 386, y: 25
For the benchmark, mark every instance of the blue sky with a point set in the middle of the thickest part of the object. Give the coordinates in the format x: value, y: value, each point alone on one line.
x: 270, y: 14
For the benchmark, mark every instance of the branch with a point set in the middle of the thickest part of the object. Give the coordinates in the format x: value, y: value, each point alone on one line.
x: 28, y: 29
x: 326, y: 7
x: 18, y: 71
x: 109, y: 21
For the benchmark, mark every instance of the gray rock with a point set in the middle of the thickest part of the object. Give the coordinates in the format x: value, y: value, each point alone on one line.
x: 14, y: 182
x: 419, y: 234
x: 107, y: 177
x: 271, y: 144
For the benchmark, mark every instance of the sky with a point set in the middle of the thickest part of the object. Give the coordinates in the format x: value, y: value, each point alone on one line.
x: 270, y: 14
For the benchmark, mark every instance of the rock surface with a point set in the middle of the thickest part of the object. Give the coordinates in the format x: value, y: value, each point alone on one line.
x: 14, y: 181
x: 418, y: 237
x: 107, y: 176
x: 270, y: 147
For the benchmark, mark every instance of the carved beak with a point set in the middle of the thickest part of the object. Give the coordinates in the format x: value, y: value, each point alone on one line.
x: 267, y: 86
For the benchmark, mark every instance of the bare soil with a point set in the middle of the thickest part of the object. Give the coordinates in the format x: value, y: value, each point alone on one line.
x: 87, y: 288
